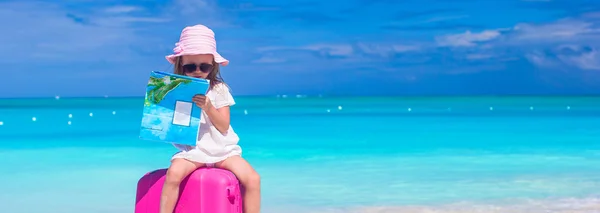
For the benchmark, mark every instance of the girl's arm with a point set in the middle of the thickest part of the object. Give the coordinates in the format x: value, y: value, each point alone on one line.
x: 219, y: 113
x: 219, y: 117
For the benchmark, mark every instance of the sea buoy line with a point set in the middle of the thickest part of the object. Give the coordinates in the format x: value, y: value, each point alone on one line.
x: 339, y: 108
x: 69, y: 122
x: 245, y: 112
x: 410, y: 109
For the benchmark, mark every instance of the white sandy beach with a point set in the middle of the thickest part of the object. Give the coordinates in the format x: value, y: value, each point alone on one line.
x: 584, y: 205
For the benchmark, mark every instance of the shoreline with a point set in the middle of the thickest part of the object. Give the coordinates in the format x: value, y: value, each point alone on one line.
x: 560, y: 205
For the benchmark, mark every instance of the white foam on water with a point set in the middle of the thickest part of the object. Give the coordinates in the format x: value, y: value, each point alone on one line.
x: 567, y: 205
x: 354, y: 184
x: 527, y: 206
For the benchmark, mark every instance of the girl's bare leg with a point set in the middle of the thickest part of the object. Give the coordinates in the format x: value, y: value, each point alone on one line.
x: 248, y: 178
x: 179, y: 169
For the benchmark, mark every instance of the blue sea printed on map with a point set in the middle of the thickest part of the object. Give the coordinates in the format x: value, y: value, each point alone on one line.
x: 169, y: 115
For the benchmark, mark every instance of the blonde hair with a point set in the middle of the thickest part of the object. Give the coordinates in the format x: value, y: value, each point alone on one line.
x: 214, y: 76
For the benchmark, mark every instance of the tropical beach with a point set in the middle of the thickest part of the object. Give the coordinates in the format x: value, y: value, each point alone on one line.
x: 351, y: 106
x: 442, y: 155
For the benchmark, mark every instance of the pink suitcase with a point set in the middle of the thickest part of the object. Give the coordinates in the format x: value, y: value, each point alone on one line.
x: 206, y: 190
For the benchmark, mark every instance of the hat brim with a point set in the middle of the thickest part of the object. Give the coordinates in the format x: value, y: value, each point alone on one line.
x: 218, y: 58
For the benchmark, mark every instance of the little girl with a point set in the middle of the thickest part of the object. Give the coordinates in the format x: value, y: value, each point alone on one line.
x: 195, y: 55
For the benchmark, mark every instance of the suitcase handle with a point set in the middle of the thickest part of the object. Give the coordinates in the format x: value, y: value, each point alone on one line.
x: 230, y: 192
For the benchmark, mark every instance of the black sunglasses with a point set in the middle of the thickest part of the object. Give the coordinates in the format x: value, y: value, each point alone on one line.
x: 204, y: 67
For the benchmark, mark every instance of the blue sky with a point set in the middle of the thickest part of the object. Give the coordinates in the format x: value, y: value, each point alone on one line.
x: 350, y: 47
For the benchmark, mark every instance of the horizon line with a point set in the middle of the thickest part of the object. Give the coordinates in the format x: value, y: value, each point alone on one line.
x: 327, y: 96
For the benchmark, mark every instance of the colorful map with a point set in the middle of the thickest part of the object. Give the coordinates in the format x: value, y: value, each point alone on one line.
x: 169, y: 115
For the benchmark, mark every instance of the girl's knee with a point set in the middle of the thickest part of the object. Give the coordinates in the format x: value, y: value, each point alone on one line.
x: 175, y: 175
x: 252, y: 180
x: 179, y: 169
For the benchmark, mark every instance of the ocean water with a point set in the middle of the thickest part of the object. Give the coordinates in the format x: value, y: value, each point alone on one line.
x: 321, y: 154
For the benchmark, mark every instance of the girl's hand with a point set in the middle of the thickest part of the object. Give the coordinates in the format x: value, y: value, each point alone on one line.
x: 202, y: 101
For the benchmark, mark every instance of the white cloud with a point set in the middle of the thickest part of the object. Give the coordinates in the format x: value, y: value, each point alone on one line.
x: 349, y: 50
x: 385, y: 50
x: 565, y: 29
x: 122, y: 9
x: 43, y: 31
x: 331, y: 49
x: 569, y: 42
x: 580, y: 57
x: 541, y: 60
x: 584, y: 28
x: 47, y: 31
x: 566, y: 43
x: 325, y: 49
x: 269, y: 60
x: 567, y: 57
x: 126, y: 21
x: 467, y: 39
x: 479, y: 56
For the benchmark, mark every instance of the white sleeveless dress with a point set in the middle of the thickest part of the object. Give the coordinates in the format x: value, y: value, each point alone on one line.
x: 212, y: 146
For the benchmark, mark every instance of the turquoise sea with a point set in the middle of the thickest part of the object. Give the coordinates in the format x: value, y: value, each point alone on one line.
x: 321, y: 154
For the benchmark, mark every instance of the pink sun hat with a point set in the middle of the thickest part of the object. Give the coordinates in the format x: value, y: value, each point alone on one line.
x: 197, y: 39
